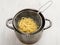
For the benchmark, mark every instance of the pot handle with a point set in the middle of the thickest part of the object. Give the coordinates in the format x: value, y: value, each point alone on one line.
x: 49, y: 24
x: 45, y: 6
x: 9, y: 23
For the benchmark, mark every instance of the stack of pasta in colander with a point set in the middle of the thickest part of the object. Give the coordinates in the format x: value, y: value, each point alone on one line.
x: 27, y: 25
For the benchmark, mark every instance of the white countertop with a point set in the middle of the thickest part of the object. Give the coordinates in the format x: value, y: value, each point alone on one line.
x: 8, y: 8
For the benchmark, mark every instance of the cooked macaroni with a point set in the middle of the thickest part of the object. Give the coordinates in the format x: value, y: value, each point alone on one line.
x: 27, y: 25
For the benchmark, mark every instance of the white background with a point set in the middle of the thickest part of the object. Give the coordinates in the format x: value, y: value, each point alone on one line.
x: 8, y: 8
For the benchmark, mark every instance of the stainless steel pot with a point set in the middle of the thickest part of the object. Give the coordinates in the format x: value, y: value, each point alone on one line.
x: 37, y: 16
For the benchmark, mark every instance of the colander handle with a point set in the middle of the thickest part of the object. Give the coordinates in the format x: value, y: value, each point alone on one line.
x: 45, y: 6
x: 50, y: 24
x: 9, y: 23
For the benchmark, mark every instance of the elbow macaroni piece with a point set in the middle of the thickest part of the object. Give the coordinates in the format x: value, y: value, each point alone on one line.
x: 27, y: 25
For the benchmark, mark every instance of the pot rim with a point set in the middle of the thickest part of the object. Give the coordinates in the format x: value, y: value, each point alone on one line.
x: 43, y: 21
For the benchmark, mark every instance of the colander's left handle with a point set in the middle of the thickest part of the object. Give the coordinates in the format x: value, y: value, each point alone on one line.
x: 9, y: 23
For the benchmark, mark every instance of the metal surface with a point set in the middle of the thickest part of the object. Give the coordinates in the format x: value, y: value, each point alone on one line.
x: 29, y: 39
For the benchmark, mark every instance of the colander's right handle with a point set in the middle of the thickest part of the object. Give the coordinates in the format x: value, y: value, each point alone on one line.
x: 9, y: 23
x: 50, y: 24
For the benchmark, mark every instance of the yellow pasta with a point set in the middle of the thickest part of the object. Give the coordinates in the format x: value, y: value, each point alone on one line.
x: 27, y: 25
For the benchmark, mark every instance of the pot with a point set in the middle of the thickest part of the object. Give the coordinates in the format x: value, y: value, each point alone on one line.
x: 37, y: 16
